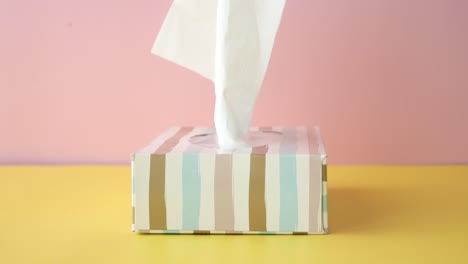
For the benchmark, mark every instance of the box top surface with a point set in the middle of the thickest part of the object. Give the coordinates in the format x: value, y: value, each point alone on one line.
x: 267, y: 140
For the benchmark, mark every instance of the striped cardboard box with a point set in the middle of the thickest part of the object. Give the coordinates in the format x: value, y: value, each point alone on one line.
x: 183, y: 188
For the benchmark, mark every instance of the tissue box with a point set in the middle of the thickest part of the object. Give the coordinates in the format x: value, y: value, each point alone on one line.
x: 279, y: 187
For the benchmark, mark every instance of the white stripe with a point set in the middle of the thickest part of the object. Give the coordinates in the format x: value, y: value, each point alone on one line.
x: 315, y: 194
x: 240, y: 190
x: 173, y: 191
x: 211, y: 150
x: 325, y: 222
x: 272, y: 191
x: 141, y: 172
x: 302, y: 141
x: 207, y: 178
x: 302, y: 179
x: 325, y: 214
x: 157, y: 142
x: 133, y: 192
x: 272, y: 185
x: 133, y: 180
x: 207, y: 175
x: 273, y: 147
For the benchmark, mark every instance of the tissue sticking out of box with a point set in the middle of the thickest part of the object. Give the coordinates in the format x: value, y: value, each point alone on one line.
x: 230, y: 43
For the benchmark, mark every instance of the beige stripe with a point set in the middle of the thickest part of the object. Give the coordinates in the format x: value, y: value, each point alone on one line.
x: 300, y: 233
x: 173, y: 141
x: 260, y: 150
x: 315, y: 183
x: 201, y: 232
x: 224, y: 209
x: 324, y: 172
x: 257, y: 209
x: 157, y: 204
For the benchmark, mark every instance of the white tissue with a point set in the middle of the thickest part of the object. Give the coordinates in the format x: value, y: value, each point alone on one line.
x: 230, y: 43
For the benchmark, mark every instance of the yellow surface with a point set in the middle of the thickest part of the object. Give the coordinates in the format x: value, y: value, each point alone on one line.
x: 376, y: 214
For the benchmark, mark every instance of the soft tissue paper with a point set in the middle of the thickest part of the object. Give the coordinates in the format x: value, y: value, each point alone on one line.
x: 229, y: 42
x: 269, y: 180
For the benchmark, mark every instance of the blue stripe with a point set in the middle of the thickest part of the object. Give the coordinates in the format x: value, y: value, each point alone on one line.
x: 267, y: 233
x: 288, y: 193
x: 288, y: 185
x: 190, y: 191
x: 324, y: 203
x: 172, y: 232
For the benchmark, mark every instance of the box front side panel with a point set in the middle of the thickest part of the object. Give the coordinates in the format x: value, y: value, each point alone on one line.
x: 229, y: 193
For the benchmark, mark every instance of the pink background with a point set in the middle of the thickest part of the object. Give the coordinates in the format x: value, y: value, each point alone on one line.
x: 386, y: 80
